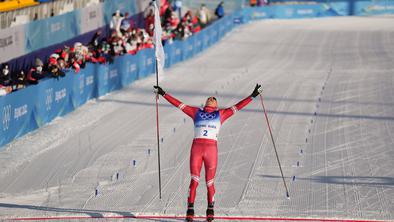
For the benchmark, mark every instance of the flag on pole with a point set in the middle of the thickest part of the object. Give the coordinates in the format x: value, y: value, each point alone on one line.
x: 159, y: 50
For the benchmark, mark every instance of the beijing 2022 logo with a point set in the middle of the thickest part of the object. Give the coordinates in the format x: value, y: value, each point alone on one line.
x: 48, y: 99
x: 6, y: 117
x: 206, y: 116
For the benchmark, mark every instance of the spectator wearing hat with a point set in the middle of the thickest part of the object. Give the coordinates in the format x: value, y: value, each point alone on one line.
x: 35, y: 73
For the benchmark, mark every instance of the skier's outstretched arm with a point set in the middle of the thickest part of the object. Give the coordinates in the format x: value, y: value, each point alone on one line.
x: 188, y: 110
x: 227, y: 113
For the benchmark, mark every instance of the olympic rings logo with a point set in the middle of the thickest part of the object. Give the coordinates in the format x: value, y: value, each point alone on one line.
x: 6, y: 117
x: 206, y: 116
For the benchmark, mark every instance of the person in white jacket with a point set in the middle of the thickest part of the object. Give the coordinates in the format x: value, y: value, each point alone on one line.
x: 116, y: 22
x: 203, y: 15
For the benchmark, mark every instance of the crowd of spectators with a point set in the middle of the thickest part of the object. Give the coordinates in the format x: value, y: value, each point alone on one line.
x: 124, y: 38
x: 254, y: 3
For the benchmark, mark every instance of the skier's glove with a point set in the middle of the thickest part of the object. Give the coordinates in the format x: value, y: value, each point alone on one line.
x: 257, y: 90
x: 159, y: 90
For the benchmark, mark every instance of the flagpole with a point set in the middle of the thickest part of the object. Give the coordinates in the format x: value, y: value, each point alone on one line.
x: 157, y: 128
x: 157, y: 35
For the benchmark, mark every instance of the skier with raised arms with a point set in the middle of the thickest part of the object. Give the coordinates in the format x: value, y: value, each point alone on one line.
x: 207, y: 123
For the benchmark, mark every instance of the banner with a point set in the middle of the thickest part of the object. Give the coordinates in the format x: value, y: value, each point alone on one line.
x: 51, y: 31
x: 91, y: 18
x: 12, y: 43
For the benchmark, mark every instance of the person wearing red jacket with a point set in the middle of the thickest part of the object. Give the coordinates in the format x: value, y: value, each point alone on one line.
x: 207, y: 123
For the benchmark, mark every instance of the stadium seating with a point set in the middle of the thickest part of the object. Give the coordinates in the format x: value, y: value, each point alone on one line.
x: 10, y: 5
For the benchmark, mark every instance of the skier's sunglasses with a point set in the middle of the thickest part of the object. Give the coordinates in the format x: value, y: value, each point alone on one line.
x: 212, y: 98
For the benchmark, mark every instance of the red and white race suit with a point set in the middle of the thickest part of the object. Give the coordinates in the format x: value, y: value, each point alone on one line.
x: 207, y: 123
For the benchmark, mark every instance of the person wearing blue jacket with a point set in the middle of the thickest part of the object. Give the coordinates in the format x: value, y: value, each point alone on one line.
x: 219, y: 12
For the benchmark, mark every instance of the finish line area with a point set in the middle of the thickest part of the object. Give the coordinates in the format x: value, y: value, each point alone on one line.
x: 197, y: 218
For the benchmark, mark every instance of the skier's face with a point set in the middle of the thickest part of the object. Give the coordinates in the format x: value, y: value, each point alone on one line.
x: 211, y: 101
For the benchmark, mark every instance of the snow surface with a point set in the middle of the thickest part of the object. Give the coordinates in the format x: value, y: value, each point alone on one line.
x: 328, y: 87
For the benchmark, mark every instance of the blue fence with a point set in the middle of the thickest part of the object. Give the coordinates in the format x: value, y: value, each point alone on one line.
x: 33, y: 107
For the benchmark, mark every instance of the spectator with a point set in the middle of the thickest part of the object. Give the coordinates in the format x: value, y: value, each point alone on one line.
x: 116, y: 22
x: 178, y: 7
x: 20, y: 82
x: 182, y: 32
x: 125, y: 23
x: 173, y: 21
x: 203, y: 15
x: 95, y: 42
x: 191, y: 21
x: 253, y: 3
x: 264, y: 2
x: 165, y: 5
x: 150, y: 22
x: 4, y: 90
x: 54, y: 68
x: 219, y: 12
x: 5, y: 78
x: 148, y: 9
x: 167, y: 14
x: 196, y: 25
x: 80, y: 56
x: 95, y: 52
x: 35, y: 73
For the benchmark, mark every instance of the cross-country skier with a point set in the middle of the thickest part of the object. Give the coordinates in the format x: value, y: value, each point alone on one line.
x: 207, y: 122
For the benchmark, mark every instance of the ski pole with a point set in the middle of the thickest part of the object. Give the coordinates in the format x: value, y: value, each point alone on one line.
x: 273, y: 142
x: 159, y: 54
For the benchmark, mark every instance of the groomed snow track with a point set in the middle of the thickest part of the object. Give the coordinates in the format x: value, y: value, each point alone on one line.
x: 328, y: 87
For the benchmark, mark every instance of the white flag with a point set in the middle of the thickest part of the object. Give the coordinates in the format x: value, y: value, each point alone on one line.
x: 159, y: 50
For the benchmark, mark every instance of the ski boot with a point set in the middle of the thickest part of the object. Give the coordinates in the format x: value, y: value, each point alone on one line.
x: 210, y: 212
x: 190, y: 212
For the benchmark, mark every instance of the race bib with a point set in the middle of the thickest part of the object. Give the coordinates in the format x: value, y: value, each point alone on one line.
x: 207, y: 125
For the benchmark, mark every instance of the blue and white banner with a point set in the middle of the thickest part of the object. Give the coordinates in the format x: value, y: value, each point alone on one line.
x: 12, y: 43
x: 51, y: 31
x: 91, y: 18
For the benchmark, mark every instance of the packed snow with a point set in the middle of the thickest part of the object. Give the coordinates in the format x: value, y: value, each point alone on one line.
x: 329, y: 91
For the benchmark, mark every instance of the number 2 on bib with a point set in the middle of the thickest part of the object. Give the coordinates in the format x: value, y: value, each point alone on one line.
x: 205, y: 133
